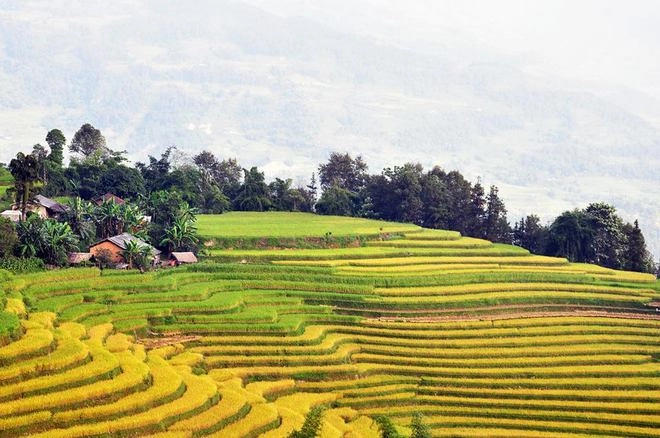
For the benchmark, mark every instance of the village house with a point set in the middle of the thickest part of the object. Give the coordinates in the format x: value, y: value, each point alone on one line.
x: 112, y: 248
x: 43, y: 206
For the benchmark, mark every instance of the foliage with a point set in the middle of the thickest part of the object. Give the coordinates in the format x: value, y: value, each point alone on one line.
x: 9, y: 237
x: 312, y: 425
x: 87, y: 141
x: 387, y: 429
x: 419, y: 429
x: 25, y: 170
x: 21, y: 264
x: 343, y: 171
x: 253, y: 194
x: 47, y: 239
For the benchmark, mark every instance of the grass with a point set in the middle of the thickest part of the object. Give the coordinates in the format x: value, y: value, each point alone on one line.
x: 283, y: 224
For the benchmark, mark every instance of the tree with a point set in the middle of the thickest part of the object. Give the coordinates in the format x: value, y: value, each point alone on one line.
x: 181, y: 236
x: 56, y: 142
x: 40, y: 154
x: 253, y: 194
x: 60, y: 241
x: 280, y: 193
x: 387, y: 429
x: 434, y: 198
x: 136, y: 253
x: 47, y: 239
x: 155, y: 173
x: 343, y: 171
x: 312, y: 189
x: 607, y: 243
x: 419, y: 429
x: 87, y: 141
x: 121, y: 180
x: 530, y: 234
x: 337, y: 201
x: 80, y: 218
x: 497, y: 228
x: 25, y: 170
x: 476, y: 215
x: 312, y: 425
x: 637, y: 257
x: 9, y: 237
x: 570, y: 236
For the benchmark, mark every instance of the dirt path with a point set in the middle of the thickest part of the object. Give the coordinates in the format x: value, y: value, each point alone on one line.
x: 162, y: 341
x: 516, y: 315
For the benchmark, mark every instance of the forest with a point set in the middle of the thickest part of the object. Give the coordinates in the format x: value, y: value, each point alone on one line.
x: 172, y: 188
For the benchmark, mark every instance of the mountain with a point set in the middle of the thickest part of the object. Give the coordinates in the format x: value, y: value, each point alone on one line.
x: 281, y: 90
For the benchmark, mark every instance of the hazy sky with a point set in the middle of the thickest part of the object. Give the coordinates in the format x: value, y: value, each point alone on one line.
x: 616, y: 42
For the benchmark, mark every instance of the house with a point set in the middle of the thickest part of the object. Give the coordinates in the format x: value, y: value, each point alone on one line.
x: 44, y: 207
x: 178, y: 258
x: 115, y: 245
x: 12, y: 215
x: 108, y: 197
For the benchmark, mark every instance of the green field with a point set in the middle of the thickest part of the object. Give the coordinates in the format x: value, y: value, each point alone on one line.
x: 274, y: 224
x: 484, y: 340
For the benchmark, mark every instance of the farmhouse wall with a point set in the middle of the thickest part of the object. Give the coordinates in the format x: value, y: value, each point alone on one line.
x: 113, y: 249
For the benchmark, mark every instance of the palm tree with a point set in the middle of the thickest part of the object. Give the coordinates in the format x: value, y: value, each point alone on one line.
x: 108, y: 219
x: 79, y: 216
x: 30, y: 236
x: 59, y: 241
x: 133, y: 251
x: 181, y: 235
x: 25, y: 170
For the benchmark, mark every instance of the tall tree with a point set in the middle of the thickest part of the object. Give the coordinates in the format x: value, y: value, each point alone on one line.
x: 253, y: 194
x: 529, y: 233
x: 343, y: 171
x: 57, y: 182
x: 497, y: 228
x: 607, y: 243
x: 637, y: 256
x: 571, y: 235
x: 25, y: 170
x: 87, y: 141
x: 56, y: 142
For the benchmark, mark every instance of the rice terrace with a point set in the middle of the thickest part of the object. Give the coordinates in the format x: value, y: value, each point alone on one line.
x: 374, y: 321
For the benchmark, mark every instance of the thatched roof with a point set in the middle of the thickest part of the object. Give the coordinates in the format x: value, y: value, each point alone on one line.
x: 79, y: 257
x: 184, y: 257
x: 121, y: 239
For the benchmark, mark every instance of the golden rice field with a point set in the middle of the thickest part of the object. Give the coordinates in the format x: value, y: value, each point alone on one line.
x: 483, y: 340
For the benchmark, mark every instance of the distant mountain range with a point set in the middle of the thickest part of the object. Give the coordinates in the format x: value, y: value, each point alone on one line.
x: 282, y: 92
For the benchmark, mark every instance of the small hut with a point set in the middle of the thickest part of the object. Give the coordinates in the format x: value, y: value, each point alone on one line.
x: 77, y: 258
x: 12, y: 215
x: 178, y: 258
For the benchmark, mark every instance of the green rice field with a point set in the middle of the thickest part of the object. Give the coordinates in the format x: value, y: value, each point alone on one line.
x: 484, y: 340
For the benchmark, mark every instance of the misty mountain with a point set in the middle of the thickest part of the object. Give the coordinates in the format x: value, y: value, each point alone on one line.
x: 283, y: 91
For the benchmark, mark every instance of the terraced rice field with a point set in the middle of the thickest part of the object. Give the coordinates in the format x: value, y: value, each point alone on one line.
x: 482, y: 339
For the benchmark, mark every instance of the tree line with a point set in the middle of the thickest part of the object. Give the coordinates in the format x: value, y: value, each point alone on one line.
x: 433, y: 198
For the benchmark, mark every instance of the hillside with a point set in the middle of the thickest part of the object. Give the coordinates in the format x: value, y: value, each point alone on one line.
x: 483, y: 339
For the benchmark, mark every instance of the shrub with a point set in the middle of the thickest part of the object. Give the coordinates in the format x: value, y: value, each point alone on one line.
x: 312, y: 424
